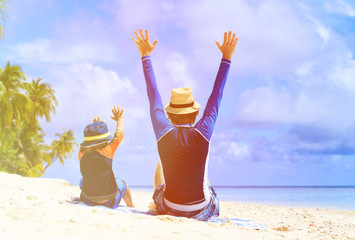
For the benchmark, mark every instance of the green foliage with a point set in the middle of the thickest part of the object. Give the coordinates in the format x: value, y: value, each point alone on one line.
x: 8, y: 155
x: 13, y: 102
x: 22, y: 104
x: 61, y: 148
x: 42, y: 98
x: 3, y: 16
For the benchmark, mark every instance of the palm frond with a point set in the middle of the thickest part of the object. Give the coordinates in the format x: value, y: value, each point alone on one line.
x: 3, y: 13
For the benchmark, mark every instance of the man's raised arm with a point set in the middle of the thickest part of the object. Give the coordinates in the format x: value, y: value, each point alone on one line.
x: 209, y: 117
x: 160, y: 123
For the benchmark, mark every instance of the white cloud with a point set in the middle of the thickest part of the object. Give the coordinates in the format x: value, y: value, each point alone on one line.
x: 340, y: 7
x: 22, y: 10
x: 136, y: 13
x: 315, y: 146
x: 49, y: 51
x: 268, y: 104
x: 304, y: 69
x: 85, y: 90
x: 177, y: 67
x: 270, y: 31
x: 323, y: 31
x: 273, y: 35
x: 343, y: 74
x: 328, y: 110
x: 239, y: 152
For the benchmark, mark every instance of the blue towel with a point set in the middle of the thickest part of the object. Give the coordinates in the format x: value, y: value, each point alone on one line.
x: 239, y: 222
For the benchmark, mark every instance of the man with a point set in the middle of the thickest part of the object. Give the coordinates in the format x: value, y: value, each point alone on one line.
x: 183, y: 148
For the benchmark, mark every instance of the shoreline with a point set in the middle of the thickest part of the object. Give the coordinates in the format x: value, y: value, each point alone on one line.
x: 38, y: 208
x: 228, y: 196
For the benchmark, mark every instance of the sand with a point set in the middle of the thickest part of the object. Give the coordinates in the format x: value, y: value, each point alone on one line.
x: 33, y: 208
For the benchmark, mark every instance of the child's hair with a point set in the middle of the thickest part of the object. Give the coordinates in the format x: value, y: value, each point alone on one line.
x: 188, y: 118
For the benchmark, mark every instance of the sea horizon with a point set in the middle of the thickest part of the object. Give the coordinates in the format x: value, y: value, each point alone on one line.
x: 263, y: 186
x: 331, y: 197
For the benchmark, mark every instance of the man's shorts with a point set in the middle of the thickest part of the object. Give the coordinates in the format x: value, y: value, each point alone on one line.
x: 112, y: 203
x: 211, y: 210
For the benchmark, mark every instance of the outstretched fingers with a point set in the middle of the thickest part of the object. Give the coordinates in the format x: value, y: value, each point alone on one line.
x: 155, y: 43
x: 143, y: 43
x: 218, y: 44
x: 235, y: 39
x: 138, y: 38
x: 147, y: 35
x: 97, y: 119
x: 134, y: 40
x: 229, y: 37
x: 114, y: 110
x: 229, y: 44
x: 142, y: 34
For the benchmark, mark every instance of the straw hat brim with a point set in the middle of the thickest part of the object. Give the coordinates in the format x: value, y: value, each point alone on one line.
x: 186, y: 110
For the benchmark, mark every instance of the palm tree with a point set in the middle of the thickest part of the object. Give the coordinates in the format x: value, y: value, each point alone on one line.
x: 61, y: 149
x: 30, y: 144
x: 3, y: 15
x: 14, y: 103
x: 42, y: 98
x: 22, y: 148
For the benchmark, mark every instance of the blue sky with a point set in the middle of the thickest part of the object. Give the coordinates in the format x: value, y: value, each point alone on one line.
x: 287, y: 116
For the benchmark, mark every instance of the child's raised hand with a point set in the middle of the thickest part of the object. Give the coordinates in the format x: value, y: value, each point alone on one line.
x: 117, y: 113
x: 97, y: 119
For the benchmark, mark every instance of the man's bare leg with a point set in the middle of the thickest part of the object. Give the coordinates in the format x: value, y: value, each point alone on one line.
x: 127, y: 197
x: 158, y: 179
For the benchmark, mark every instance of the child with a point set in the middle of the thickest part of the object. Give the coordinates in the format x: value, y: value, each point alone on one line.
x: 99, y: 185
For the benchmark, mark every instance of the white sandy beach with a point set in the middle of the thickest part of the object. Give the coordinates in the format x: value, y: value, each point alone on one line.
x: 33, y: 208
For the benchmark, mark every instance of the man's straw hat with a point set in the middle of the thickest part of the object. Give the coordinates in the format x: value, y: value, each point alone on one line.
x: 182, y: 102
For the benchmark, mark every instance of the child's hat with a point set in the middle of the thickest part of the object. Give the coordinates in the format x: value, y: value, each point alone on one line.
x: 96, y: 133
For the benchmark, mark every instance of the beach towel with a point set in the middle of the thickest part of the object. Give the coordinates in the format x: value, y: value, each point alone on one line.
x: 238, y: 222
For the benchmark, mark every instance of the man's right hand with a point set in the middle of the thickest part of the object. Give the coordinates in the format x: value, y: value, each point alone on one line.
x: 143, y: 44
x: 228, y: 46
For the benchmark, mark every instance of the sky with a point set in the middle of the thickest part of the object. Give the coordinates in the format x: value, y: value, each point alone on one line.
x: 287, y: 114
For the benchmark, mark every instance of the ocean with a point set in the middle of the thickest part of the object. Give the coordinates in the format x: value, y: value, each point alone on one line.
x: 312, y: 197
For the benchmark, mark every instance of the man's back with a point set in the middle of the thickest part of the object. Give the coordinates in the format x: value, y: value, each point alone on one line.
x: 183, y: 152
